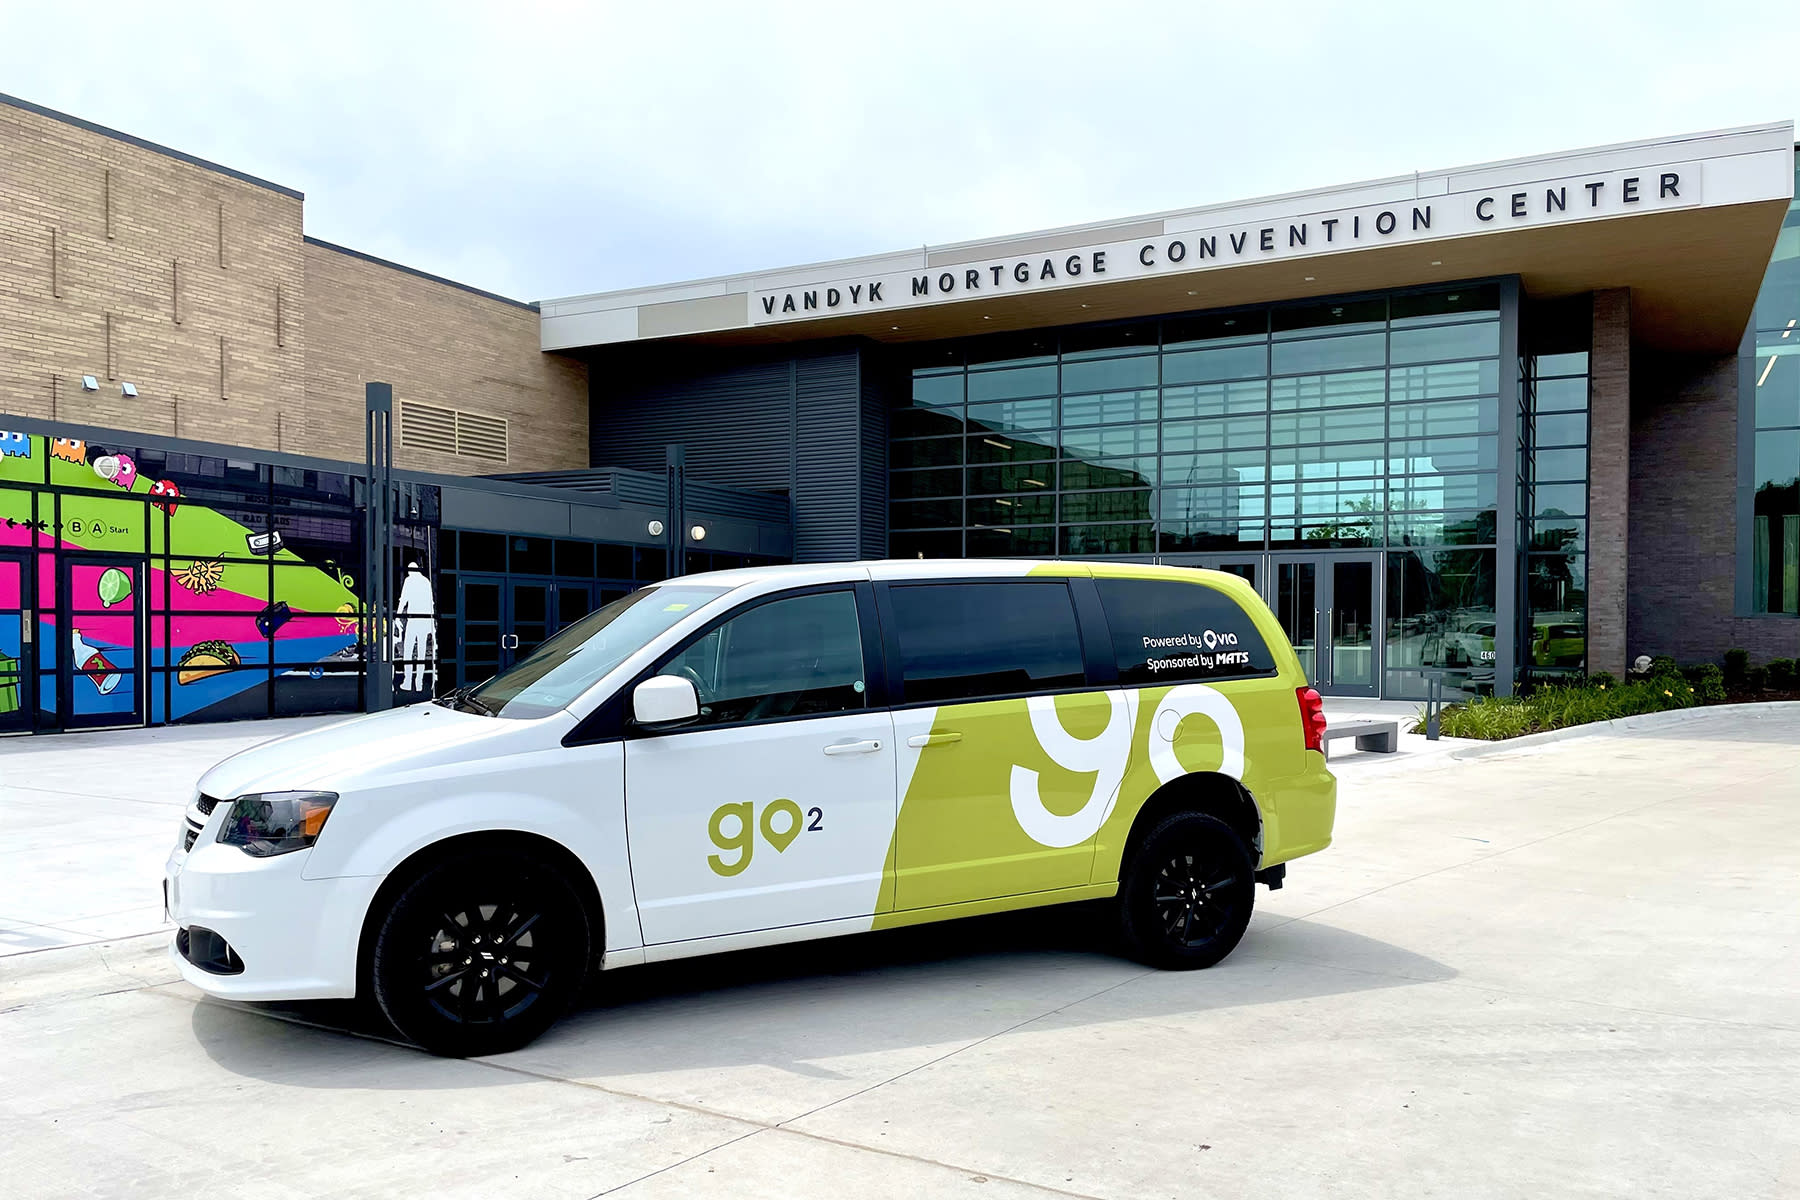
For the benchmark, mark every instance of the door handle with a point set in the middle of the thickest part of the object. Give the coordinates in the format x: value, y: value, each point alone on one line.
x: 933, y: 739
x: 868, y: 747
x: 509, y: 641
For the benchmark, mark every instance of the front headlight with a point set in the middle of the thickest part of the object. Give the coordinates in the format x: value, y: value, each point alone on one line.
x: 276, y: 822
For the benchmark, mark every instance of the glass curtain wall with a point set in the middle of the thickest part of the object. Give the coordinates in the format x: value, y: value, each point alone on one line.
x: 1555, y: 478
x: 1367, y: 422
x: 1775, y: 441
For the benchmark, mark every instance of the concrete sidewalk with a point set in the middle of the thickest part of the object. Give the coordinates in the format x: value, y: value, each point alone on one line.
x: 86, y: 820
x: 1563, y: 971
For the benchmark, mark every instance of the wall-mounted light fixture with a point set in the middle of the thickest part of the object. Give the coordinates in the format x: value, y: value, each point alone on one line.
x: 89, y: 384
x: 128, y: 389
x: 655, y: 528
x: 698, y: 533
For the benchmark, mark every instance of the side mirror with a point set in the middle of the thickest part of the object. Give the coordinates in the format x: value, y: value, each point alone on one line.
x: 664, y: 700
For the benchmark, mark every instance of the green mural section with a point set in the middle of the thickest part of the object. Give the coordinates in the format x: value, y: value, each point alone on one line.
x: 97, y: 515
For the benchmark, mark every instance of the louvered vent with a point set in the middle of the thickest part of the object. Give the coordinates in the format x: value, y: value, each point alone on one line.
x: 450, y: 431
x: 481, y: 437
x: 427, y: 427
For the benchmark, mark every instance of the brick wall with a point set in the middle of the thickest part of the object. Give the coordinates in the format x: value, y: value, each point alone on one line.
x: 1684, y: 516
x: 442, y: 345
x: 182, y: 263
x: 1609, y: 475
x: 198, y: 287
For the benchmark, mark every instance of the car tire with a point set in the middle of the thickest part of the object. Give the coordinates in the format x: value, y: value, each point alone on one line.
x: 480, y: 954
x: 1187, y: 893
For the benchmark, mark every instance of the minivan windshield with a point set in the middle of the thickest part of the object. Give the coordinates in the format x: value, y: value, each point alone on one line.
x: 571, y: 662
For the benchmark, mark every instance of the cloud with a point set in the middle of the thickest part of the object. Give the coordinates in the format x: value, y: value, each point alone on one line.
x: 544, y: 150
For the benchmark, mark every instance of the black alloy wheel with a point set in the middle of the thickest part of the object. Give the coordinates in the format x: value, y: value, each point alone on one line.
x: 1187, y: 893
x: 480, y: 954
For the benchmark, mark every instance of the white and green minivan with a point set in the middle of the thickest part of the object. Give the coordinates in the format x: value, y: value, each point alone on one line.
x: 761, y: 756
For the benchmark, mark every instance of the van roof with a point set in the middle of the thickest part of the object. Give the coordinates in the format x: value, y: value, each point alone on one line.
x: 940, y: 568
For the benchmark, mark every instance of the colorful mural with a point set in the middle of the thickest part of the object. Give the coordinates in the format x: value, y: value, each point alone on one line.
x: 183, y: 586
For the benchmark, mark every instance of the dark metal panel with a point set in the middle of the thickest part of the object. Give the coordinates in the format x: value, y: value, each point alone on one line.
x: 877, y: 380
x: 828, y: 448
x: 470, y: 509
x: 728, y: 415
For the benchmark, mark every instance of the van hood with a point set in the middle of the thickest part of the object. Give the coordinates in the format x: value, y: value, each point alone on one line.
x: 335, y: 757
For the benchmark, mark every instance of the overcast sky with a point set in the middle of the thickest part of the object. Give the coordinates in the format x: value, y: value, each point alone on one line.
x: 543, y: 150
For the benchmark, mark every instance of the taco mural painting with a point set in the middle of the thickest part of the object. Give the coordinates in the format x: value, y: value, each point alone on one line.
x: 206, y: 660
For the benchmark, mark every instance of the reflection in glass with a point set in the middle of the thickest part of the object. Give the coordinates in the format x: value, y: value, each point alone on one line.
x: 1296, y: 607
x: 1099, y: 374
x: 1108, y: 408
x: 1006, y: 384
x: 1775, y: 523
x: 1313, y: 425
x: 1108, y: 539
x: 1556, y: 585
x: 1011, y: 447
x: 1440, y: 615
x: 1440, y: 342
x: 1012, y: 542
x: 1353, y: 624
x: 1021, y: 509
x: 1328, y: 354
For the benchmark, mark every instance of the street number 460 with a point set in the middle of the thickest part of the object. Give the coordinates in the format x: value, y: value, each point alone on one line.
x: 782, y: 822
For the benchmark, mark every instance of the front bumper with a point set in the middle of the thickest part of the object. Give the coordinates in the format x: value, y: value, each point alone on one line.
x: 285, y: 937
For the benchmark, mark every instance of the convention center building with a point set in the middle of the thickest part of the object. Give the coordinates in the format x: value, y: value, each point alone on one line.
x: 1498, y: 423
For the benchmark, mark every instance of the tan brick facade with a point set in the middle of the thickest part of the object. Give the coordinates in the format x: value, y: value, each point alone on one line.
x: 442, y: 346
x: 133, y: 264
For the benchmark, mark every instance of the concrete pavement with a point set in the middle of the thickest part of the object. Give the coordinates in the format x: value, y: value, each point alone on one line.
x: 86, y: 820
x: 1567, y: 970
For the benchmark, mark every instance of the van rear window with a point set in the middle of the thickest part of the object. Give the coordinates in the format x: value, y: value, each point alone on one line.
x: 966, y: 641
x: 1164, y: 631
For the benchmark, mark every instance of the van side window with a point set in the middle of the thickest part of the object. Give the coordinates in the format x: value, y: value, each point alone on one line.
x: 795, y: 657
x: 1165, y: 631
x: 966, y: 641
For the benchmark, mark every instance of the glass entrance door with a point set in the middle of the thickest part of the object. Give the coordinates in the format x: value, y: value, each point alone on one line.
x: 500, y: 619
x: 18, y: 630
x: 1328, y: 605
x: 530, y: 619
x: 101, y: 626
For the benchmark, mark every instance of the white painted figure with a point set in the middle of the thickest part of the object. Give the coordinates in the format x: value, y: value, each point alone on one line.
x: 415, y: 641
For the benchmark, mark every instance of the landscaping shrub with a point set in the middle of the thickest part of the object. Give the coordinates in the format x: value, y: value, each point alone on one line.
x: 1601, y: 679
x: 1491, y: 718
x: 1736, y: 663
x: 1708, y: 682
x: 1662, y: 664
x: 1782, y: 674
x: 1755, y: 679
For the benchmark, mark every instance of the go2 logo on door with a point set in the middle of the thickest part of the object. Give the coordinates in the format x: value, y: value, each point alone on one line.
x: 742, y: 842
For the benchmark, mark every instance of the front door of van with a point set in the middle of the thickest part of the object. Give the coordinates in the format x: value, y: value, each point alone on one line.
x: 776, y: 806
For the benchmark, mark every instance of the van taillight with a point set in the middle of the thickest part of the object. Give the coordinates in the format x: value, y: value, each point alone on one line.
x: 1312, y: 718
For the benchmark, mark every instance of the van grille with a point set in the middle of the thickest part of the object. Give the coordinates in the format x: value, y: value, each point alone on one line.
x: 206, y: 804
x: 193, y: 835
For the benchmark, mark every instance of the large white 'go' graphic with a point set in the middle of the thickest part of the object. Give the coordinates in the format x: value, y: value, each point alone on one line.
x: 1106, y: 754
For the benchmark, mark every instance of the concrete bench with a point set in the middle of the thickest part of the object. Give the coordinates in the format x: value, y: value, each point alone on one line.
x: 1383, y: 737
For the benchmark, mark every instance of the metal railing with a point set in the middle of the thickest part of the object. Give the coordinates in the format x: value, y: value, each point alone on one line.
x: 1434, y: 694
